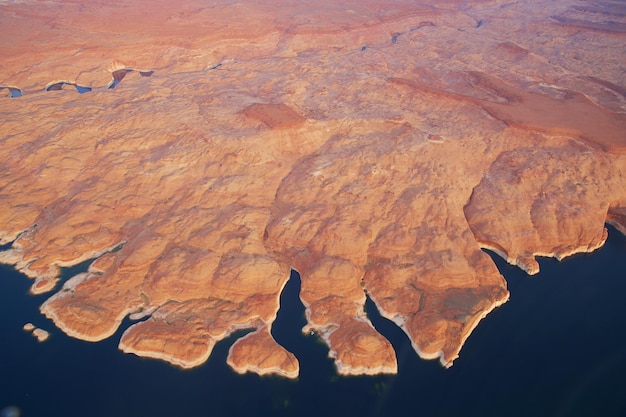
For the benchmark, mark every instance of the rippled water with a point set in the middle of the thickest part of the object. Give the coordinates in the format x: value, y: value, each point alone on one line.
x: 558, y: 348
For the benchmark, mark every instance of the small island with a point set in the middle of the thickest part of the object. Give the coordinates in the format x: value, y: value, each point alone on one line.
x: 40, y: 334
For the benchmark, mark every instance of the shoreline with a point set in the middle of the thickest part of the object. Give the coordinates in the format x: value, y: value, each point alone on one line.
x: 530, y: 265
x: 260, y: 370
x: 173, y: 360
x: 399, y: 321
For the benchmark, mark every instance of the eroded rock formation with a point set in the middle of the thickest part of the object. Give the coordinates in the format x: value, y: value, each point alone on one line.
x: 376, y: 147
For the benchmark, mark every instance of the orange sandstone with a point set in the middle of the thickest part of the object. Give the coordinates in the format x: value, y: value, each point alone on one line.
x: 258, y: 352
x: 40, y: 334
x: 376, y: 147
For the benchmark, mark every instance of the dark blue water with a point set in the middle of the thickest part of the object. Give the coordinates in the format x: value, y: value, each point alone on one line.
x: 82, y: 89
x: 14, y: 92
x: 558, y: 348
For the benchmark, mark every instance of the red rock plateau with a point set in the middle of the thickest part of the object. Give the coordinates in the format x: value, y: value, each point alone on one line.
x: 374, y: 146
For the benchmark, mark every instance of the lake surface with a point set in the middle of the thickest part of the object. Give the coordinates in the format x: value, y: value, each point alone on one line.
x: 557, y: 348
